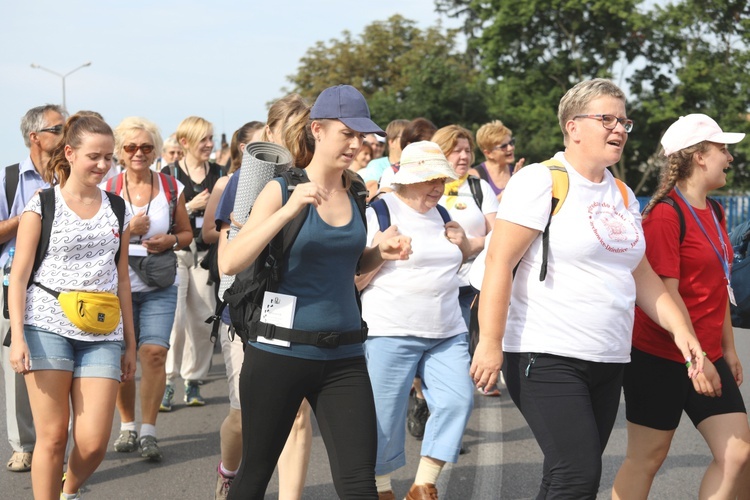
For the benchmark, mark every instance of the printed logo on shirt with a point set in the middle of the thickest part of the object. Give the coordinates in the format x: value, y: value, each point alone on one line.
x: 616, y: 231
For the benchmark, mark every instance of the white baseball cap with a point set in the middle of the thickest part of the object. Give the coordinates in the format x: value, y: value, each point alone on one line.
x: 691, y: 129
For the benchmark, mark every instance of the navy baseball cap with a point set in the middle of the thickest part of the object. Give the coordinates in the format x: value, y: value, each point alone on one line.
x: 347, y: 104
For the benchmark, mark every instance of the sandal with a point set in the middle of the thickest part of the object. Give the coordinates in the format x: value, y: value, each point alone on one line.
x: 19, y: 462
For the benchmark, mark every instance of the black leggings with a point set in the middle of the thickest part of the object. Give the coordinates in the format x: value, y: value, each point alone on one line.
x: 272, y: 387
x: 570, y: 406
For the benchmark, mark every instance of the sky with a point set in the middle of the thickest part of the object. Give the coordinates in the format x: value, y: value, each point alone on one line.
x: 165, y: 60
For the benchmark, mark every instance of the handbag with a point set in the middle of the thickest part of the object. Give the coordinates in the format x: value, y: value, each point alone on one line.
x: 91, y: 312
x: 155, y: 269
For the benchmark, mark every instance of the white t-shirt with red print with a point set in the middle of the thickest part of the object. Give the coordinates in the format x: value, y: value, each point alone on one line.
x: 584, y: 308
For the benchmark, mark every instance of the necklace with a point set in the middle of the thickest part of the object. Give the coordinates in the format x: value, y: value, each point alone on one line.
x: 150, y: 193
x: 205, y: 170
x: 81, y: 200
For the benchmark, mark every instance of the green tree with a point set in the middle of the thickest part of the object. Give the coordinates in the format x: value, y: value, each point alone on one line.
x: 403, y: 71
x: 696, y: 59
x: 683, y: 57
x: 533, y: 51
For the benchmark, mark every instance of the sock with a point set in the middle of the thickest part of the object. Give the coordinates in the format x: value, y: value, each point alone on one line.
x: 127, y: 426
x: 383, y: 483
x: 69, y: 496
x: 227, y: 473
x: 427, y: 473
x: 148, y: 430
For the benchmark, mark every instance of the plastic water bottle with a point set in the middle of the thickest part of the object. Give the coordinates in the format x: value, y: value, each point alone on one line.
x: 7, y: 266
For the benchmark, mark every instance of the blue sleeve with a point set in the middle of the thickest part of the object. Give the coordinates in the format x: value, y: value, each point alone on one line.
x: 226, y: 203
x: 4, y: 215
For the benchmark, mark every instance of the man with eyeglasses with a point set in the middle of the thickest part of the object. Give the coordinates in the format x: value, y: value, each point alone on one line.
x: 41, y: 128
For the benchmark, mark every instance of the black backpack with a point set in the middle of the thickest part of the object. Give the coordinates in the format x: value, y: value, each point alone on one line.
x: 245, y: 296
x: 740, y: 278
x: 12, y: 173
x: 47, y: 198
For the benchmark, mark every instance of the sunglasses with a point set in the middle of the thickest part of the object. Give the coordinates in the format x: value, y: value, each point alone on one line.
x: 503, y: 147
x: 57, y: 129
x: 610, y: 121
x: 132, y: 148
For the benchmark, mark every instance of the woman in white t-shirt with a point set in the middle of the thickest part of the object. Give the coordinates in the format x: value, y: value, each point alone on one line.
x: 158, y: 225
x: 64, y: 365
x: 565, y: 339
x: 415, y: 324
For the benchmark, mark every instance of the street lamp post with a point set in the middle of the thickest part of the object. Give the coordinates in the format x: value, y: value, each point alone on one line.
x: 36, y: 66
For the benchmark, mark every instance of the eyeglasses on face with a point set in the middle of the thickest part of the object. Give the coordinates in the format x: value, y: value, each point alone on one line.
x: 132, y: 148
x: 610, y: 121
x: 503, y: 147
x: 57, y: 129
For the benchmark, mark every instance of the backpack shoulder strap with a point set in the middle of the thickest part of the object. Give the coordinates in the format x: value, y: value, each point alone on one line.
x: 12, y: 174
x: 669, y: 201
x: 475, y: 184
x: 169, y: 186
x: 560, y: 186
x: 623, y: 191
x: 114, y: 184
x: 293, y: 177
x: 716, y: 208
x: 358, y: 191
x: 560, y: 183
x: 382, y: 213
x: 482, y: 171
x: 118, y: 207
x: 47, y: 197
x: 443, y: 213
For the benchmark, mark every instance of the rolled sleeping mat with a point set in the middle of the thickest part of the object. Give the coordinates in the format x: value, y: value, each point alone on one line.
x: 261, y: 162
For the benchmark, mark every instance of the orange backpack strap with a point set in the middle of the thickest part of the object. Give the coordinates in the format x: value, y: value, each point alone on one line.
x: 623, y: 191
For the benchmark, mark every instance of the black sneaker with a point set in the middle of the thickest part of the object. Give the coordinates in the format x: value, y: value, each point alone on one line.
x: 417, y: 415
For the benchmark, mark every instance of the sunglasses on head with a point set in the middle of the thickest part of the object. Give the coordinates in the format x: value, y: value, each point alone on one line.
x: 132, y: 148
x: 57, y: 129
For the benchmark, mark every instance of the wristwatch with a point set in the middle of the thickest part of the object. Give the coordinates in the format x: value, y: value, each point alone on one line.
x: 176, y: 242
x: 189, y: 210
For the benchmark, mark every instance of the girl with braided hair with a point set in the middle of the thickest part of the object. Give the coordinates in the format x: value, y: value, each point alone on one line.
x: 693, y: 260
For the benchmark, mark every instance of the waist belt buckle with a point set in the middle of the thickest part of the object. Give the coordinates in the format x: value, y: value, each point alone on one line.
x: 328, y: 339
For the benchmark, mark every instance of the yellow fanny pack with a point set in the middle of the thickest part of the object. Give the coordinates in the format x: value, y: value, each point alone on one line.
x: 92, y: 312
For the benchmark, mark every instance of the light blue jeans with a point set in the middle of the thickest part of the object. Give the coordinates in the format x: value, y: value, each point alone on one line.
x: 153, y: 316
x: 443, y: 365
x: 50, y: 351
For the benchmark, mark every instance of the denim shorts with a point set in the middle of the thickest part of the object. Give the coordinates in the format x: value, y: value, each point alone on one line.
x: 50, y: 351
x: 153, y: 316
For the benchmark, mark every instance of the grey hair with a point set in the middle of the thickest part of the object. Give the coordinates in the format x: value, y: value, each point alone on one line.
x: 33, y: 120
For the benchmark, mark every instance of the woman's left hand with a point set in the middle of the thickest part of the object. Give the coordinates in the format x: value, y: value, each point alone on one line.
x: 733, y: 361
x: 127, y: 364
x: 159, y: 243
x: 456, y: 235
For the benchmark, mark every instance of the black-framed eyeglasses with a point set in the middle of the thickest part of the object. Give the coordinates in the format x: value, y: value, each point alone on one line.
x: 610, y: 121
x: 131, y: 149
x: 57, y: 129
x: 503, y: 147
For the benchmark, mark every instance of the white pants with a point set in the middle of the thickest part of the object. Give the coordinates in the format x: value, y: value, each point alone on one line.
x: 20, y: 424
x: 190, y: 348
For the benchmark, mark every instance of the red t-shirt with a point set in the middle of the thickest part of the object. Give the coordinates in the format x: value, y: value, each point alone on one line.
x: 703, y: 286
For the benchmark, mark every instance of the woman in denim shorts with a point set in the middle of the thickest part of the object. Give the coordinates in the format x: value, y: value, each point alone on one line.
x: 693, y: 259
x: 159, y: 224
x: 63, y: 365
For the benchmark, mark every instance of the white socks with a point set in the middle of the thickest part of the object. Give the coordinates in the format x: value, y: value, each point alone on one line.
x: 428, y: 472
x: 383, y: 483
